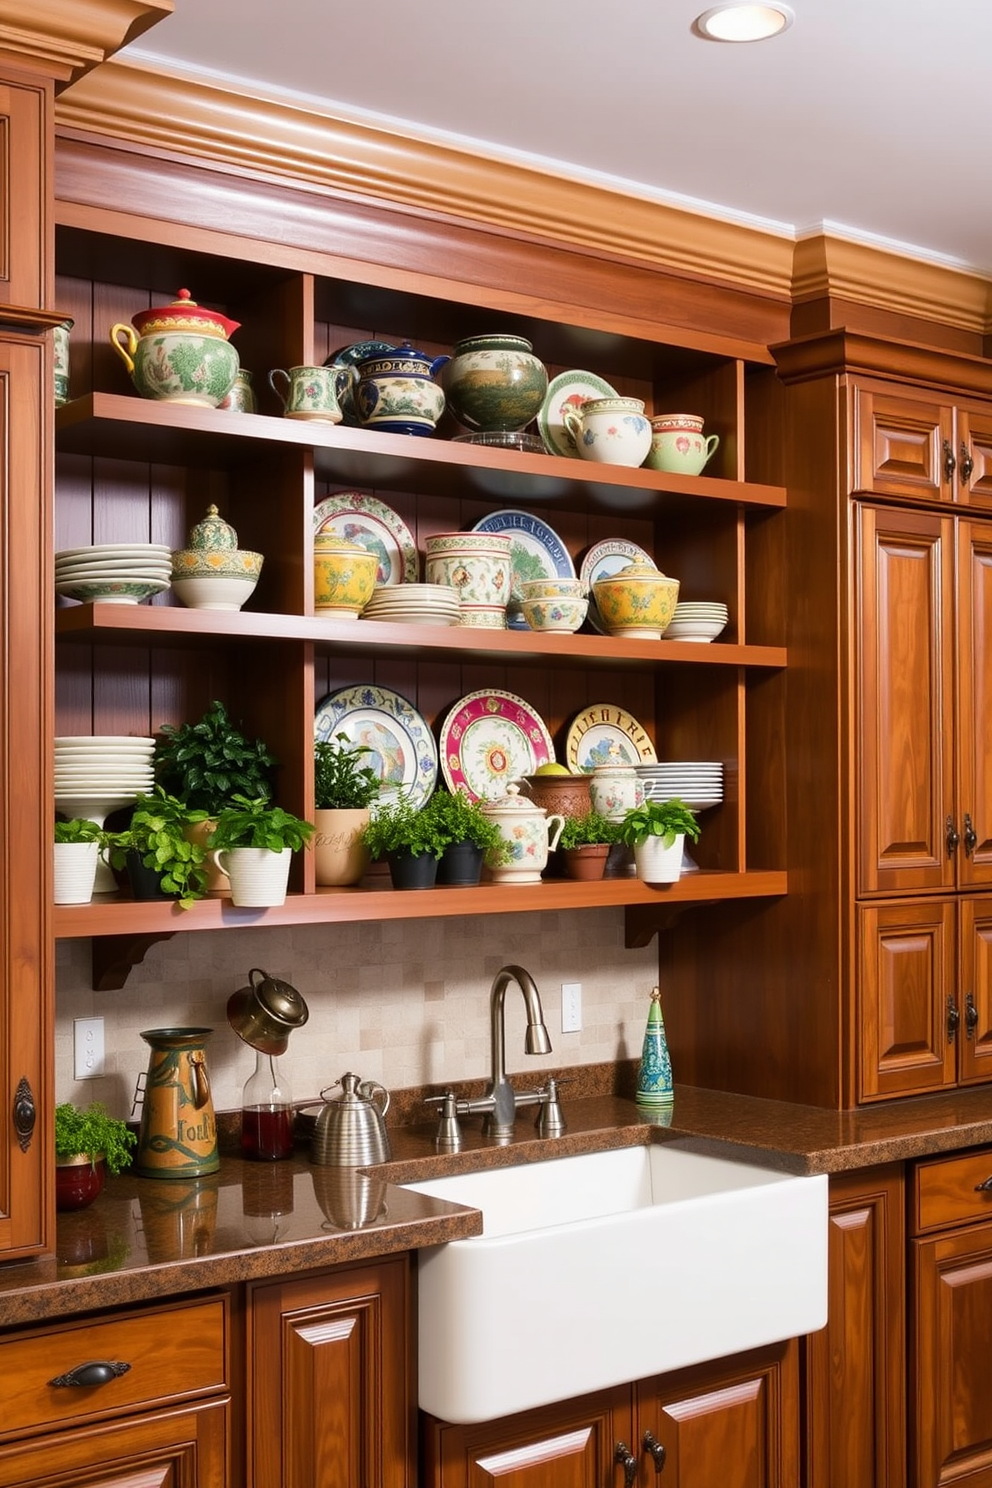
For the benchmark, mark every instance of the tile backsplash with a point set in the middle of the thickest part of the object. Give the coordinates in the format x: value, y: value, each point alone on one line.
x: 404, y: 1002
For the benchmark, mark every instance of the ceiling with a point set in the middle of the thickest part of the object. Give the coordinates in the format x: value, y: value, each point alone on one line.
x: 871, y: 117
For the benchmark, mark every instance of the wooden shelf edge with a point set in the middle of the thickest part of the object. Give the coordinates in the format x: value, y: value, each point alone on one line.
x: 110, y: 916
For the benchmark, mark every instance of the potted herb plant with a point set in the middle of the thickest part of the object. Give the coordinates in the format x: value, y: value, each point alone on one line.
x: 656, y: 831
x: 253, y: 843
x: 469, y: 834
x: 410, y: 840
x: 344, y: 787
x: 208, y: 762
x: 585, y: 844
x: 77, y: 852
x: 89, y: 1142
x: 161, y: 860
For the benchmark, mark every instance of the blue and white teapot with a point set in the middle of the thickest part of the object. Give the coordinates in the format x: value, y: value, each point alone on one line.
x: 397, y: 393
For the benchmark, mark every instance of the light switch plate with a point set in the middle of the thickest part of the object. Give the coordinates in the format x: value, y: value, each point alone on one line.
x: 571, y: 1007
x: 88, y: 1047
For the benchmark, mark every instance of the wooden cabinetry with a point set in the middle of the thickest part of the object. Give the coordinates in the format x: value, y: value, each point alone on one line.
x: 137, y: 1399
x: 330, y: 1401
x: 729, y: 1424
x: 951, y: 1297
x: 920, y: 446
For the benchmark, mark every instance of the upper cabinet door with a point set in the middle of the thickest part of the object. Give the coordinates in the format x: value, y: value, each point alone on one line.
x: 973, y: 456
x: 904, y: 701
x: 903, y: 445
x: 25, y: 178
x: 974, y: 669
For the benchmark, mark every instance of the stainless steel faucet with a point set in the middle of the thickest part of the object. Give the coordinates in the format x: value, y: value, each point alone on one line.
x: 501, y: 1103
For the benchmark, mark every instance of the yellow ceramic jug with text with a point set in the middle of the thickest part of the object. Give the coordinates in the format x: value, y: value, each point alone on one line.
x: 177, y: 1137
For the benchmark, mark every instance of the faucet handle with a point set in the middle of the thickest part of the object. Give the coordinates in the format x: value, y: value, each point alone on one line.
x: 449, y: 1133
x: 550, y: 1119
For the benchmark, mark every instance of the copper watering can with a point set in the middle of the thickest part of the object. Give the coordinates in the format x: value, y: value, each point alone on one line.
x: 177, y: 1137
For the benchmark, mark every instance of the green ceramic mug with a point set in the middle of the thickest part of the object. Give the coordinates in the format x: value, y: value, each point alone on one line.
x: 310, y: 392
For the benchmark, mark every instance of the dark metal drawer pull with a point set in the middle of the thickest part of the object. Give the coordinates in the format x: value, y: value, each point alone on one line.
x: 984, y: 1187
x: 657, y: 1451
x: 626, y: 1458
x: 96, y: 1372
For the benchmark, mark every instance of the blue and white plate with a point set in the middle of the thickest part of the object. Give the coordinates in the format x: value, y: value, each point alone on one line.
x: 537, y: 552
x: 401, y: 746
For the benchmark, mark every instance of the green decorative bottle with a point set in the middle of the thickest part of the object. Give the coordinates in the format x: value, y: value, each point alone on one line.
x: 655, y: 1091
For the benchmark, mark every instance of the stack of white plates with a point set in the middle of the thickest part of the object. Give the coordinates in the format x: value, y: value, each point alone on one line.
x: 113, y: 573
x: 114, y: 767
x: 697, y: 620
x: 699, y: 783
x: 414, y: 604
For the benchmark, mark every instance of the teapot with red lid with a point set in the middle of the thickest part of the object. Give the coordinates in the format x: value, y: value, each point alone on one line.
x: 179, y: 353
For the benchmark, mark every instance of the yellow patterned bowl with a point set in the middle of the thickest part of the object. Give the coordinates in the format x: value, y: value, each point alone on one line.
x: 638, y: 602
x: 343, y: 577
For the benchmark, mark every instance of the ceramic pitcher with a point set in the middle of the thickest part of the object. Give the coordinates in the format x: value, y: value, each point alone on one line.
x: 528, y: 834
x: 177, y: 1137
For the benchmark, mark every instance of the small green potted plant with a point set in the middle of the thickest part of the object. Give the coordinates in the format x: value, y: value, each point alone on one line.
x: 78, y: 843
x: 345, y: 786
x: 585, y: 844
x: 469, y: 834
x: 253, y: 843
x: 410, y: 840
x: 89, y: 1142
x: 656, y: 831
x: 155, y: 849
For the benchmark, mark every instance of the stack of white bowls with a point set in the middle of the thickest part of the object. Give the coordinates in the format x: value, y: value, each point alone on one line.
x: 414, y: 604
x: 113, y: 573
x: 98, y: 773
x: 699, y: 783
x: 697, y: 620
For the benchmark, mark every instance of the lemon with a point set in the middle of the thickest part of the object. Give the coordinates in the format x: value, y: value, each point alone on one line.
x: 551, y: 769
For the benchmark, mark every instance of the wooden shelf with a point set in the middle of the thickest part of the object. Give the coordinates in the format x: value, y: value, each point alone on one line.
x: 109, y: 915
x: 132, y: 428
x: 160, y: 624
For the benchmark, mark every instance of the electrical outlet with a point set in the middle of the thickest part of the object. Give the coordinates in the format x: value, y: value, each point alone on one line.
x: 87, y: 1034
x: 571, y: 1007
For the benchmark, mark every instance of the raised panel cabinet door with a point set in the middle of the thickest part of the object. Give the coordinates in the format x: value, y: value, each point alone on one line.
x: 571, y: 1445
x: 26, y: 175
x: 854, y: 1379
x: 973, y: 446
x: 904, y: 758
x: 330, y: 1399
x: 975, y: 989
x: 973, y: 818
x: 904, y: 446
x: 732, y: 1424
x: 950, y: 1395
x: 170, y: 1449
x: 907, y: 1010
x: 26, y: 958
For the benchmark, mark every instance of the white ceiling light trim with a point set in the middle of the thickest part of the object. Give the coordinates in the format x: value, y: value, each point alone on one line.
x: 743, y: 22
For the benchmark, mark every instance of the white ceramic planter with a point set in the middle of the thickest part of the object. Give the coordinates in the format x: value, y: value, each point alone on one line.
x: 75, y: 871
x: 658, y: 864
x: 258, y: 877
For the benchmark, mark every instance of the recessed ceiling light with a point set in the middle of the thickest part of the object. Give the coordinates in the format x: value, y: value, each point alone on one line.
x: 743, y: 22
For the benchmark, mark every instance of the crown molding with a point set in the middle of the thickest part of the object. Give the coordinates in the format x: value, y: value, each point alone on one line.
x: 837, y: 267
x: 64, y: 39
x: 167, y: 112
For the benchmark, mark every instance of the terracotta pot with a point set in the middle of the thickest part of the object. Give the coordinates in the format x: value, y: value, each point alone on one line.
x: 586, y: 862
x: 340, y: 856
x: 78, y: 1181
x: 560, y: 795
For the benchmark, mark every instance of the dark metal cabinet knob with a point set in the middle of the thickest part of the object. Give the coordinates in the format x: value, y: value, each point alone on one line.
x: 25, y: 1114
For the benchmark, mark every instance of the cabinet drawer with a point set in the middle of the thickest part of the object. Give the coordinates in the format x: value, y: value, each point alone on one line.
x: 950, y: 1191
x: 174, y: 1353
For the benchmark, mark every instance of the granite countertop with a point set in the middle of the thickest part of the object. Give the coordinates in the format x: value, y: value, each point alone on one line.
x: 146, y: 1238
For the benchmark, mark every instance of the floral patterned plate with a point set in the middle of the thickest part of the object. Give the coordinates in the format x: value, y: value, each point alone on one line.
x: 375, y: 526
x: 489, y: 739
x: 604, y: 734
x: 537, y: 552
x: 603, y: 560
x: 401, y: 746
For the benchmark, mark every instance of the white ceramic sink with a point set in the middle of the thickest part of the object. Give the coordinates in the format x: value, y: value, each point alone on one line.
x: 611, y: 1267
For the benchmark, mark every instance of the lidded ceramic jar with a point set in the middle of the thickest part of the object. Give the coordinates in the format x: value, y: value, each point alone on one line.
x: 528, y: 834
x: 615, y: 789
x: 495, y: 384
x: 179, y: 353
x: 397, y: 394
x: 344, y: 576
x: 213, y: 573
x: 638, y: 602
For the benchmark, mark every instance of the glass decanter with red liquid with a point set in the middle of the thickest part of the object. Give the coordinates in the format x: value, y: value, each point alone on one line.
x: 266, y: 1112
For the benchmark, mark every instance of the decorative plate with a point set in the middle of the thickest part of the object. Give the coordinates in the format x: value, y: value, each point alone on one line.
x: 597, y: 733
x: 603, y: 560
x: 489, y: 739
x: 401, y: 746
x: 375, y: 526
x: 350, y: 356
x: 537, y: 552
x: 568, y: 389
